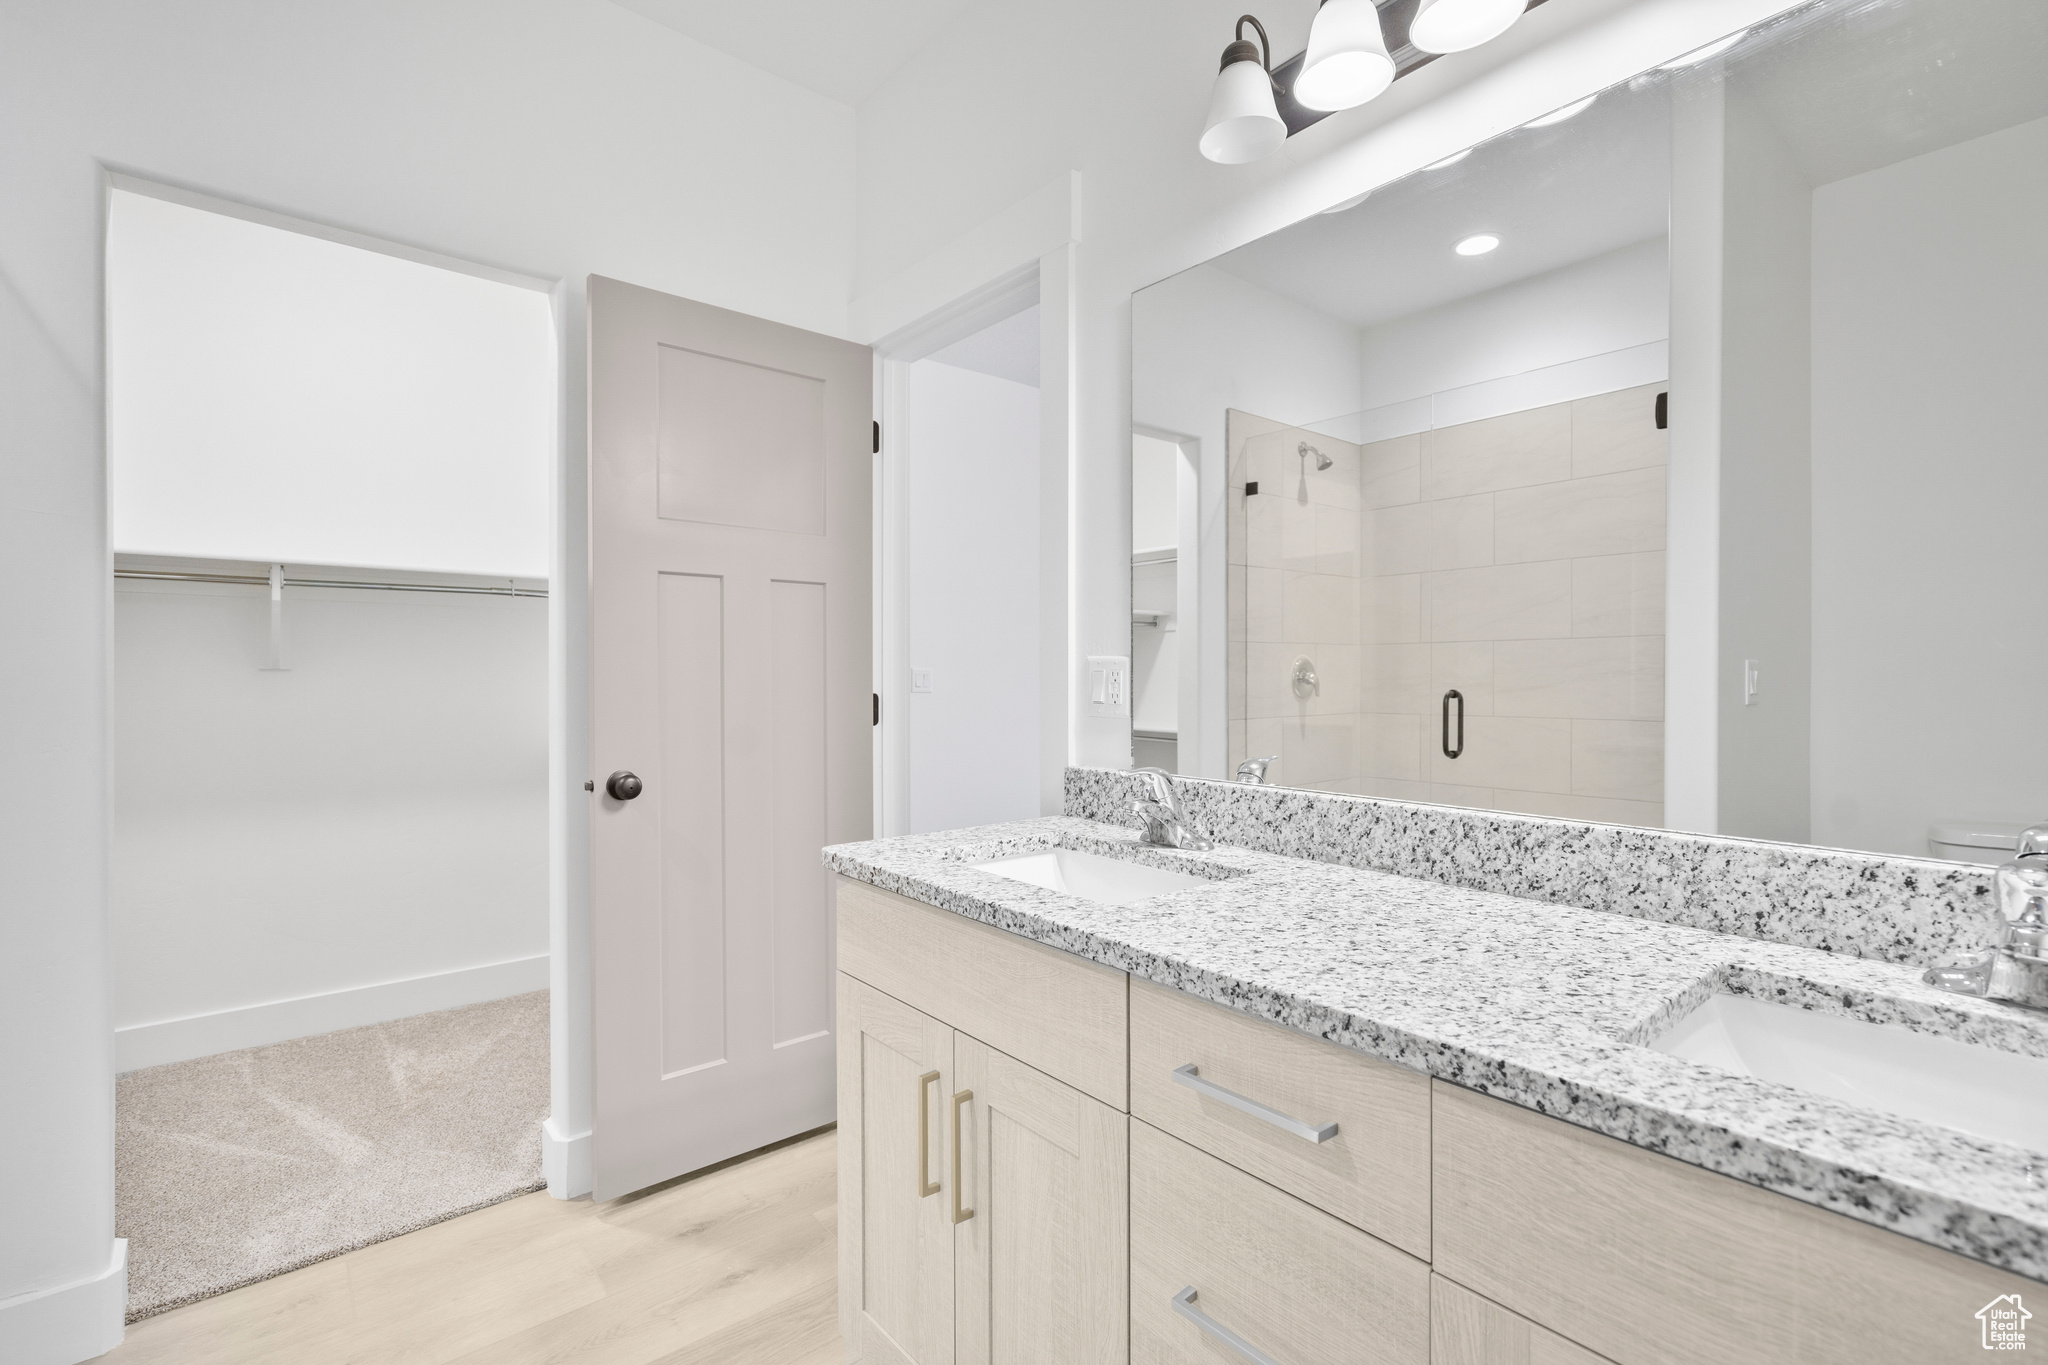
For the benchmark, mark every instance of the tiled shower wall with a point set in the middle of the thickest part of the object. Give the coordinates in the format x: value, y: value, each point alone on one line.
x: 1518, y: 559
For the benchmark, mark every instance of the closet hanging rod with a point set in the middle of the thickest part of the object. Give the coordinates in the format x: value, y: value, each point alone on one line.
x: 264, y: 582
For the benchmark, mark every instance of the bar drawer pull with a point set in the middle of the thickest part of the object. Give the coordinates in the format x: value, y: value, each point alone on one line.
x: 960, y: 1215
x: 1191, y: 1077
x: 1184, y: 1304
x: 926, y: 1186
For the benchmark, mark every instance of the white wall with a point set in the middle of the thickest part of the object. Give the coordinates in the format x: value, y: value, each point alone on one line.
x: 1202, y: 342
x: 377, y: 814
x: 969, y: 491
x: 1617, y: 301
x: 279, y: 397
x: 1024, y: 103
x: 554, y: 138
x: 1928, y: 354
x: 1766, y: 502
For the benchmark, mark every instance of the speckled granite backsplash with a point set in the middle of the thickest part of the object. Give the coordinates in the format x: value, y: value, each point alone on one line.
x: 1905, y: 910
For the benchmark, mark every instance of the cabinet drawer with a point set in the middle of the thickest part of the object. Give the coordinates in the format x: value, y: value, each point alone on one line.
x: 1287, y: 1279
x: 1051, y: 1010
x: 1373, y: 1173
x: 1649, y: 1261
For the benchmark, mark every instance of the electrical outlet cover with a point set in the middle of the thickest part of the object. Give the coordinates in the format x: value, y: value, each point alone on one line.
x: 1109, y: 685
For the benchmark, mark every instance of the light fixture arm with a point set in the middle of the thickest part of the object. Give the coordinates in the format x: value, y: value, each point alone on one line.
x: 1265, y: 43
x: 1241, y: 49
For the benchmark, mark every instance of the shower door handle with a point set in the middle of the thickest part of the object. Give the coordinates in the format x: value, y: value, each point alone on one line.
x: 1450, y: 750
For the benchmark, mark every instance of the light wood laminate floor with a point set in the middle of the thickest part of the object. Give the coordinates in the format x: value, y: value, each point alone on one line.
x: 734, y: 1266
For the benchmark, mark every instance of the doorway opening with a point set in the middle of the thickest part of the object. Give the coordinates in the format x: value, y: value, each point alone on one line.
x: 330, y: 493
x: 962, y: 536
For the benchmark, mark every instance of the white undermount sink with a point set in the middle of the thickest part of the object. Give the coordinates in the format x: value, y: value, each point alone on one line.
x: 1090, y: 875
x: 1980, y: 1090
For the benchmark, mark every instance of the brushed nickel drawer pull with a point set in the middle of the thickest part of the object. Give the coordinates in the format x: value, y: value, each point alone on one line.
x: 960, y: 1215
x: 1190, y: 1077
x: 1184, y: 1304
x: 926, y: 1186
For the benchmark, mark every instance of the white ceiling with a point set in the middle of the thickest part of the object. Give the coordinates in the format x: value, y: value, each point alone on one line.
x: 1852, y: 89
x: 1552, y: 195
x: 843, y: 49
x: 1006, y: 349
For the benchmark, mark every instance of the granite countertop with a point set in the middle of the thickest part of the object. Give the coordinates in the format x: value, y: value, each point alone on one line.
x: 1544, y: 1005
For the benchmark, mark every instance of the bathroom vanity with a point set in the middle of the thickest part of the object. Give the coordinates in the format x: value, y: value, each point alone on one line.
x: 1236, y: 1106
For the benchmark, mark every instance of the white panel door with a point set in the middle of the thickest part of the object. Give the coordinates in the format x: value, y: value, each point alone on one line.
x: 729, y: 618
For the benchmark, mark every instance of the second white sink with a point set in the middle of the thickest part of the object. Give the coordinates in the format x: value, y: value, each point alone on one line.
x: 1090, y: 875
x: 1981, y: 1090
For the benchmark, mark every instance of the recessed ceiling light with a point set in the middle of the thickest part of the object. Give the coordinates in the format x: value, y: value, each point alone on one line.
x: 1560, y: 115
x: 1353, y: 202
x: 1477, y: 245
x: 1700, y: 54
x: 1453, y: 159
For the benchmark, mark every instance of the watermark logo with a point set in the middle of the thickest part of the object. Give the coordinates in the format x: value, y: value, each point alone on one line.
x: 2005, y: 1323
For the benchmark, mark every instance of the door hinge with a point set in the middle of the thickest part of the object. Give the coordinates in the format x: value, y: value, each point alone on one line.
x: 878, y: 438
x: 878, y: 708
x: 1663, y: 410
x: 590, y: 784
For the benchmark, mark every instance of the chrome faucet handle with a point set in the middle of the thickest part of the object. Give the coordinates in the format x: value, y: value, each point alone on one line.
x: 2033, y: 842
x: 1253, y: 770
x: 1160, y: 782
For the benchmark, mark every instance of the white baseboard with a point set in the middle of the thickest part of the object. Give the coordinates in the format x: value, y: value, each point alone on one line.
x: 203, y: 1035
x: 70, y: 1323
x: 565, y: 1161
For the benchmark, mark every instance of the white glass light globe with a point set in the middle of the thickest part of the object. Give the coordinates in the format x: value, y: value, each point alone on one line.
x: 1454, y: 25
x: 1244, y: 123
x: 1347, y: 62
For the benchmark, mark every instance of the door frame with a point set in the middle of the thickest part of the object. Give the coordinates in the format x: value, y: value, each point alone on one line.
x: 1043, y: 283
x: 565, y: 1135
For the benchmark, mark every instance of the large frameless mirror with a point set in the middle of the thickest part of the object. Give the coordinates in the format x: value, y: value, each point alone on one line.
x: 1670, y: 461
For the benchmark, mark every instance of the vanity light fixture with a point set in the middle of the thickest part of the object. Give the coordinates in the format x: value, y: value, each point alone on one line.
x: 1244, y: 121
x: 1454, y: 25
x: 1557, y: 116
x: 1701, y: 54
x: 1477, y: 245
x: 1352, y: 56
x: 1347, y: 61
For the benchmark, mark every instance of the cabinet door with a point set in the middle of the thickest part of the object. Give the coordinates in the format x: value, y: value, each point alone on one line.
x: 1041, y: 1261
x: 895, y: 1233
x: 1465, y: 1329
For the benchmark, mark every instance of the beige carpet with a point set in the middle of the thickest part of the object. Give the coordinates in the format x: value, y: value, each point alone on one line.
x: 234, y: 1168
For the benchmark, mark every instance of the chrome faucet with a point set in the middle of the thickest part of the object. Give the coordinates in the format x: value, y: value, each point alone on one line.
x: 1253, y: 770
x: 1166, y: 820
x: 2014, y: 968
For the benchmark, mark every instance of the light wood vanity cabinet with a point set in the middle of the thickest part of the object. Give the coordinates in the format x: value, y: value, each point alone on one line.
x: 1650, y: 1261
x: 1434, y: 1226
x: 983, y: 1202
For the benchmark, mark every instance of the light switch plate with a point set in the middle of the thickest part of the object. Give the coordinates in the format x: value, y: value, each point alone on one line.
x: 1109, y: 685
x: 920, y: 680
x: 1752, y: 682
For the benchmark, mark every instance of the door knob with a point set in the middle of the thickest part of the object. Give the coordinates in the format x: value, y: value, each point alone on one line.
x: 623, y: 786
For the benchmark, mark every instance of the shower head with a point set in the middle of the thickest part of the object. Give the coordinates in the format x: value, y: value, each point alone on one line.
x: 1322, y: 460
